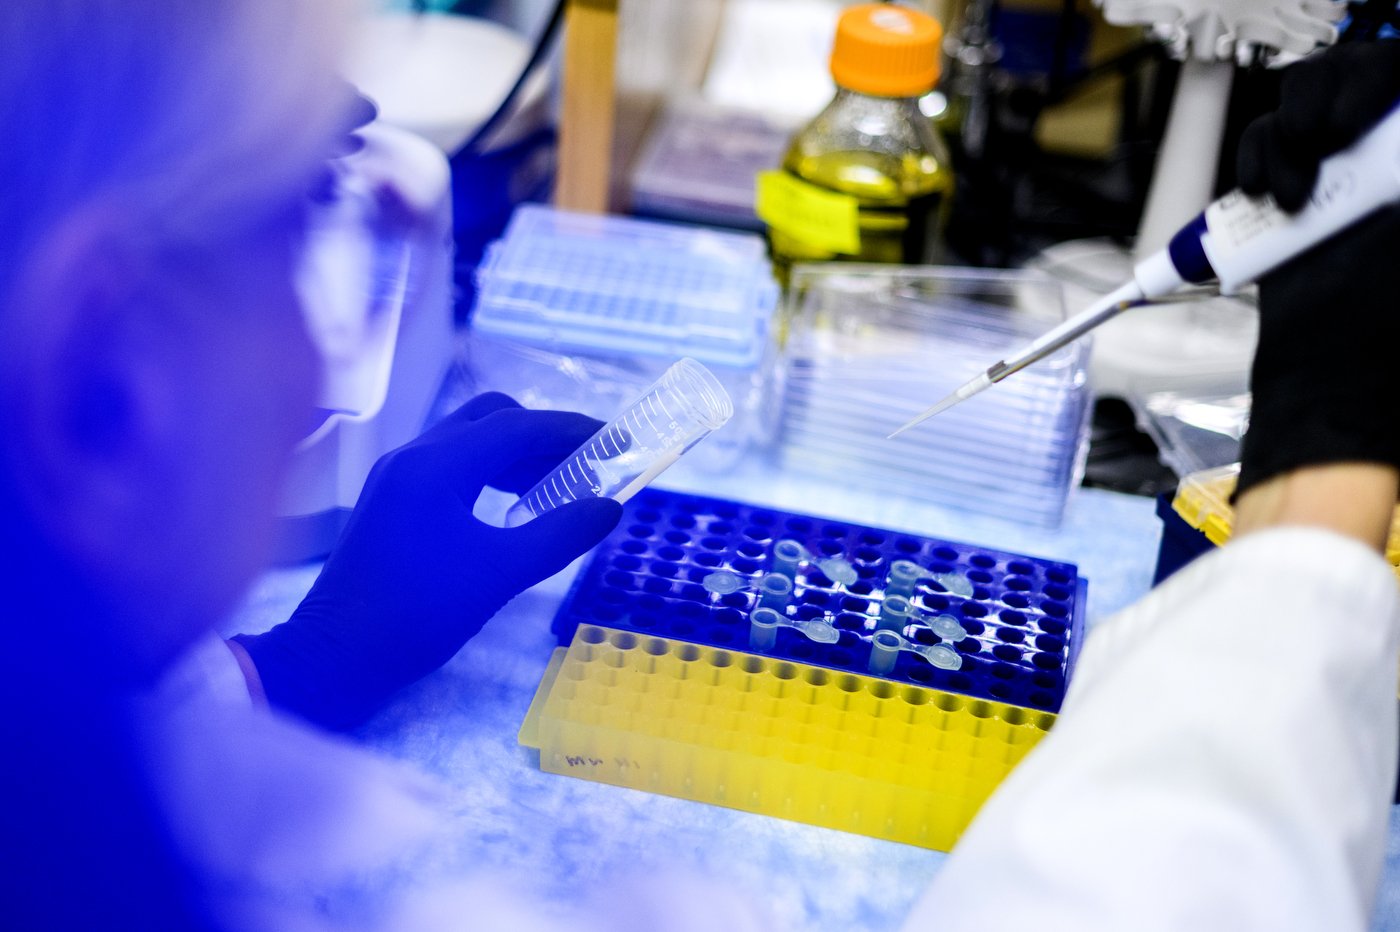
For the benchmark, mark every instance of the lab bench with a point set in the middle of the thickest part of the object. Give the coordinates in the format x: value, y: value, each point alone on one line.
x: 573, y: 838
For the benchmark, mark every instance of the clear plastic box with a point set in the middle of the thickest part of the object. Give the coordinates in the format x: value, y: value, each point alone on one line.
x: 1194, y: 431
x: 865, y: 348
x: 627, y: 286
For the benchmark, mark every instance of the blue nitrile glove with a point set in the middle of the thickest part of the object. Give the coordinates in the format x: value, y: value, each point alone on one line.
x: 415, y: 575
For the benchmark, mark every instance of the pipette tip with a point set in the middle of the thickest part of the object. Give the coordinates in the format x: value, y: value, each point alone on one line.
x: 939, y: 408
x: 963, y: 393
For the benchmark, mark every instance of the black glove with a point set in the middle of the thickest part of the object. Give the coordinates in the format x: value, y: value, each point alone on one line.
x: 1329, y: 327
x: 1329, y: 346
x: 415, y: 575
x: 1325, y: 103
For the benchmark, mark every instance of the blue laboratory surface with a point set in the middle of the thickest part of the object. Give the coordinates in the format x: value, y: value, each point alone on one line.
x: 569, y: 837
x: 647, y: 577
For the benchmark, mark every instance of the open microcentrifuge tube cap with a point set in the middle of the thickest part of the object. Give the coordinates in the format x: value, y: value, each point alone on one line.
x: 722, y: 582
x: 948, y: 628
x: 839, y: 570
x: 955, y: 584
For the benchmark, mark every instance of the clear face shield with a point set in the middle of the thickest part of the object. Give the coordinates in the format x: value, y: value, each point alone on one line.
x: 353, y: 280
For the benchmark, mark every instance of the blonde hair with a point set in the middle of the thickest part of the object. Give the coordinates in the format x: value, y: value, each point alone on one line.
x: 204, y: 115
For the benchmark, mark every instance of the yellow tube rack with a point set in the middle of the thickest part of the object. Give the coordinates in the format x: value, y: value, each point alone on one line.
x: 1203, y: 501
x: 856, y: 753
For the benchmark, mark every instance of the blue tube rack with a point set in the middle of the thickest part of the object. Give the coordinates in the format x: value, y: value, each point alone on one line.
x: 1024, y: 621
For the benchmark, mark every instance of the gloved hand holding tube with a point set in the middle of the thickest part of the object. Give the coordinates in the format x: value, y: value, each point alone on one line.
x: 1329, y: 342
x: 415, y: 574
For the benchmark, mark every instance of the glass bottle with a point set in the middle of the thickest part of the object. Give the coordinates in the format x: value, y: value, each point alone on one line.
x: 870, y: 178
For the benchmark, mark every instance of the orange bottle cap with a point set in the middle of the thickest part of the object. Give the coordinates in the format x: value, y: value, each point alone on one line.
x: 886, y: 50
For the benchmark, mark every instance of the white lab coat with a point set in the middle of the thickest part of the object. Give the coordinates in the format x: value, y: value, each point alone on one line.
x: 1225, y: 759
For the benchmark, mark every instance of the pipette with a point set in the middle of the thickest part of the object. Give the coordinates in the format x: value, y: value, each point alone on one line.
x: 1237, y: 239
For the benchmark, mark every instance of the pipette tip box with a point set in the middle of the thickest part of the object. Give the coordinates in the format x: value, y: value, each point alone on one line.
x: 792, y: 740
x: 865, y: 348
x: 1024, y: 619
x: 623, y: 285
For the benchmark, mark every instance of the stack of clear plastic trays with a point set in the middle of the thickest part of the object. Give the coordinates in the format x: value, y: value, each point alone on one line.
x: 699, y: 163
x: 622, y: 285
x: 868, y: 347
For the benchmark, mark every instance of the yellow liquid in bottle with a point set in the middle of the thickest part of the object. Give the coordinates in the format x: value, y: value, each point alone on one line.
x: 902, y: 198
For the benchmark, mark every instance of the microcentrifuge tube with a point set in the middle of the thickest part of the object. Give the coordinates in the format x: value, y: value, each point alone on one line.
x: 904, y: 575
x: 884, y: 651
x: 775, y: 590
x: 763, y: 628
x: 886, y: 645
x: 787, y: 557
x: 682, y: 408
x: 896, y: 613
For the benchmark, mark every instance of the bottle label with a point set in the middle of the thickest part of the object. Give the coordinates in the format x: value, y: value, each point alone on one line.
x: 824, y: 219
x: 1237, y: 218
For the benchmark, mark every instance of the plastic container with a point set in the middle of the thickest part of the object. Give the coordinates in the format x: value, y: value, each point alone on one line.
x: 699, y: 164
x: 681, y: 409
x: 1012, y: 637
x: 787, y: 557
x: 1194, y: 431
x: 1203, y: 500
x: 763, y: 627
x: 869, y: 178
x: 581, y: 313
x: 867, y: 347
x: 896, y: 613
x: 777, y: 736
x: 620, y: 285
x: 775, y: 590
x: 904, y: 576
x: 884, y: 652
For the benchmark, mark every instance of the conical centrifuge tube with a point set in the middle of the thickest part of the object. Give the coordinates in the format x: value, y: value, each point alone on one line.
x: 678, y: 411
